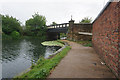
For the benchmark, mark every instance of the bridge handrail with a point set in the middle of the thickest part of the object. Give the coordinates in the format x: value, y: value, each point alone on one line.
x: 58, y: 25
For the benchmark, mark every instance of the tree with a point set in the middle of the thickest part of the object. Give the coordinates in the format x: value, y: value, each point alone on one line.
x: 36, y: 26
x: 86, y: 20
x: 53, y: 23
x: 28, y: 31
x: 10, y: 24
x: 0, y: 25
x: 36, y: 21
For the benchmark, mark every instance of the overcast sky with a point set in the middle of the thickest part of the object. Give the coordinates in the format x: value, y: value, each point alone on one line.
x: 59, y: 11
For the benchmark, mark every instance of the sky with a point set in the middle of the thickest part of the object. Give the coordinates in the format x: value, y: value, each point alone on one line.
x: 58, y: 11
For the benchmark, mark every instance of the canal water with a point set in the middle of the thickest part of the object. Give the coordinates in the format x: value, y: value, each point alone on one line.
x: 18, y: 55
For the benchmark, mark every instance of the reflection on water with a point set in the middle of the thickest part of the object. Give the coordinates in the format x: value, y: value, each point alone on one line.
x: 17, y: 55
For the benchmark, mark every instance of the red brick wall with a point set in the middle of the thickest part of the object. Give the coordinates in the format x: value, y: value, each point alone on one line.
x: 82, y: 28
x: 105, y: 36
x: 119, y: 34
x: 73, y: 32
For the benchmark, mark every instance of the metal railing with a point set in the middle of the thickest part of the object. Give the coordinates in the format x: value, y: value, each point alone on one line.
x: 58, y: 26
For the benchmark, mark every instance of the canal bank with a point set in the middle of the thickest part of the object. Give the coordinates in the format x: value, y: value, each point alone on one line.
x: 18, y: 55
x: 43, y: 67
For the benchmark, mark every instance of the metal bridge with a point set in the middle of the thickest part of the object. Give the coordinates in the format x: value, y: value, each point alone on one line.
x: 58, y: 28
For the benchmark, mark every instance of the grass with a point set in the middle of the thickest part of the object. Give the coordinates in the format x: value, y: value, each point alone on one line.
x: 44, y: 66
x: 52, y: 43
x: 85, y: 43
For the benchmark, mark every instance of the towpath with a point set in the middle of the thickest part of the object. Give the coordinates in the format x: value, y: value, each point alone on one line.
x: 81, y: 62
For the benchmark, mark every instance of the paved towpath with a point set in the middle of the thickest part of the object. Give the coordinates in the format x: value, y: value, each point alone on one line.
x: 81, y: 62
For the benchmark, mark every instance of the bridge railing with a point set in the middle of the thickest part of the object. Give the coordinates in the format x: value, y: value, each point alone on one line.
x: 58, y: 26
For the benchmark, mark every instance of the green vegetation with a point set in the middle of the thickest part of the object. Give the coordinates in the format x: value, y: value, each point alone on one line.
x: 52, y: 43
x: 10, y: 27
x: 10, y: 24
x: 85, y: 43
x: 86, y: 20
x: 15, y: 35
x: 44, y: 66
x: 36, y: 21
x: 63, y: 35
x: 36, y: 26
x: 61, y: 41
x: 53, y: 23
x: 5, y: 37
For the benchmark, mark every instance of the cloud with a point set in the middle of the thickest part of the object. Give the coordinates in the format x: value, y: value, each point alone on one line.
x: 54, y: 10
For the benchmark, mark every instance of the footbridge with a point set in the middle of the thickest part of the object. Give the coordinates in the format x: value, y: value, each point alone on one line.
x: 58, y: 28
x: 53, y: 31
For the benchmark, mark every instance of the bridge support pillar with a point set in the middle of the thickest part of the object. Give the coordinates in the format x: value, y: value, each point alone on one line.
x: 70, y: 33
x: 58, y: 35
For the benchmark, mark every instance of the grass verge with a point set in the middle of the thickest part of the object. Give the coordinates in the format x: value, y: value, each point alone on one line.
x: 85, y: 43
x: 44, y: 66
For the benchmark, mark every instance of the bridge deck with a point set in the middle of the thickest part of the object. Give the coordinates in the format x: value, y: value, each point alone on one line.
x: 58, y: 28
x: 58, y: 25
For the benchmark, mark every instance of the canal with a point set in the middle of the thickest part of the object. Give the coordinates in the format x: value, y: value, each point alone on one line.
x: 17, y: 55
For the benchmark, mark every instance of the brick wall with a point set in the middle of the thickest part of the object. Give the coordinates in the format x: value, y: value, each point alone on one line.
x: 119, y: 34
x: 106, y: 36
x: 74, y: 28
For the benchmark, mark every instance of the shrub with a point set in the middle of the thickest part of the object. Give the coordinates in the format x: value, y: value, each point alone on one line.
x: 15, y: 35
x: 6, y: 37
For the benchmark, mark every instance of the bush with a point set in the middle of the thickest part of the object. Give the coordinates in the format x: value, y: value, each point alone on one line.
x: 15, y: 35
x: 6, y: 37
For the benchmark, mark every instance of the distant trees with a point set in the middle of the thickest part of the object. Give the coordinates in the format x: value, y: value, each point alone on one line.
x: 0, y: 25
x: 86, y: 20
x: 36, y: 21
x: 53, y: 23
x: 36, y: 26
x: 10, y: 25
